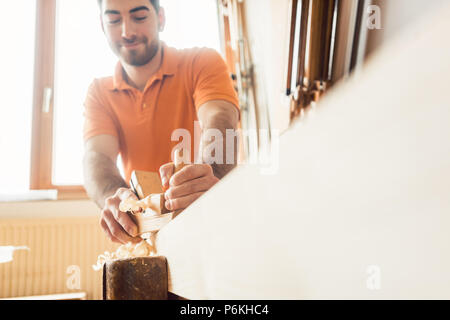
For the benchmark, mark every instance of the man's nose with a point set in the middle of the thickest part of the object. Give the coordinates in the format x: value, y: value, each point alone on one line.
x: 128, y: 31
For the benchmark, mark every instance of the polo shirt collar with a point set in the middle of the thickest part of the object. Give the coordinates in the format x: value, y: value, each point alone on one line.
x: 168, y: 67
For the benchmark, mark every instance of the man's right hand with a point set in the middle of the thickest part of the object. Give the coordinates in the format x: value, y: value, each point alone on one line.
x: 118, y: 225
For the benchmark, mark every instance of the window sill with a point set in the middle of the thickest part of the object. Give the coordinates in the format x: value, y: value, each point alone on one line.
x: 72, y: 193
x: 32, y: 195
x: 48, y: 209
x: 62, y: 193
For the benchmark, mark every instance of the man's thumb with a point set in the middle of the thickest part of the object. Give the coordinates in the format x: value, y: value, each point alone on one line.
x: 125, y: 193
x: 166, y: 171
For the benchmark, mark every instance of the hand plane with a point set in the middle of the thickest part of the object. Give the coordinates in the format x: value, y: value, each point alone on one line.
x: 149, y: 212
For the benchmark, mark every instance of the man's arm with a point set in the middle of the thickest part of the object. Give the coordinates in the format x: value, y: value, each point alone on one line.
x: 193, y: 180
x: 219, y: 115
x: 101, y: 175
x: 107, y: 188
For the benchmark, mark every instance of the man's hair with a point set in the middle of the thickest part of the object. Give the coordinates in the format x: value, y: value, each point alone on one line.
x: 155, y: 4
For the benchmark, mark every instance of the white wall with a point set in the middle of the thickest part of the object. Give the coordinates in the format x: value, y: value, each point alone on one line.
x: 268, y: 29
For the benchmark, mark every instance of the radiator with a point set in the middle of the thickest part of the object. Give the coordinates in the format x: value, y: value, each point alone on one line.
x: 62, y: 252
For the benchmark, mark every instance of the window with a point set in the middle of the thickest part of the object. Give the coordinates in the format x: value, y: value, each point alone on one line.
x: 71, y: 52
x: 16, y: 87
x: 184, y: 31
x: 81, y: 54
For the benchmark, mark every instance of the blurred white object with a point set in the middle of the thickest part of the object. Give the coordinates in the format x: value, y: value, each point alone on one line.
x: 6, y: 253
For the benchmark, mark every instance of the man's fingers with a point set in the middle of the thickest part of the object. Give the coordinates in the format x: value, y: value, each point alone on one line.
x: 122, y: 217
x: 183, y: 202
x: 127, y: 224
x: 116, y: 229
x: 190, y: 172
x: 108, y: 233
x: 118, y: 225
x: 166, y: 172
x: 190, y: 187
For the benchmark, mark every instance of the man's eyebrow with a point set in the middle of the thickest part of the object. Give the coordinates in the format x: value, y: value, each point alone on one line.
x: 111, y: 12
x: 139, y: 9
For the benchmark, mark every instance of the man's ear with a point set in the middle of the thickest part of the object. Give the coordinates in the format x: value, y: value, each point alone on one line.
x: 161, y: 19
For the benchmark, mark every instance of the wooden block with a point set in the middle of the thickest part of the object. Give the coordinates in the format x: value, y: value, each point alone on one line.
x: 143, y: 278
x: 145, y: 183
x: 151, y: 221
x: 157, y: 203
x: 155, y: 215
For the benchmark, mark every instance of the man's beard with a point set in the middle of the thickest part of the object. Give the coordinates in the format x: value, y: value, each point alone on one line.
x: 134, y: 58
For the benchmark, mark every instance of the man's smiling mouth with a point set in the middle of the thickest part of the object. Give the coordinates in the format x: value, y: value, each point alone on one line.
x: 131, y: 45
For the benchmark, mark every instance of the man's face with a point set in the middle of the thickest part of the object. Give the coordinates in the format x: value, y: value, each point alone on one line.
x: 132, y: 29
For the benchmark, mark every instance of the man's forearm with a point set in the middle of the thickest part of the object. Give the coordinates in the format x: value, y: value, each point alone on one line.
x: 101, y: 177
x: 222, y: 169
x: 221, y: 122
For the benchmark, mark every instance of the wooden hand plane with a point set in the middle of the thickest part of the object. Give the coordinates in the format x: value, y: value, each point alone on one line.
x: 148, y: 188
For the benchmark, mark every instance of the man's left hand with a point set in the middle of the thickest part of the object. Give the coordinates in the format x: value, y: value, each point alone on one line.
x: 187, y: 185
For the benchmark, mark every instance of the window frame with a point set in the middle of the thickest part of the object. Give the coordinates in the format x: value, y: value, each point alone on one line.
x: 41, y: 167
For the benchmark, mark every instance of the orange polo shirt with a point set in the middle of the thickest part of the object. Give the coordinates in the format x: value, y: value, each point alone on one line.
x: 144, y: 121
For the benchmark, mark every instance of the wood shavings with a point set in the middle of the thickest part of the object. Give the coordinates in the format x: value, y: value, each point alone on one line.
x: 144, y: 248
x: 154, y: 202
x: 130, y: 205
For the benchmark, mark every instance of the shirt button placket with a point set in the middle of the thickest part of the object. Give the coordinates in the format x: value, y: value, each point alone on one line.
x: 143, y: 102
x: 140, y: 101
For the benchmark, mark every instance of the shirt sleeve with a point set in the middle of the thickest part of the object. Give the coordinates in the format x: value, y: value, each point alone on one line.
x: 212, y: 79
x: 98, y: 119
